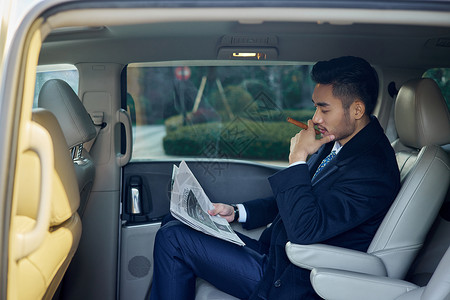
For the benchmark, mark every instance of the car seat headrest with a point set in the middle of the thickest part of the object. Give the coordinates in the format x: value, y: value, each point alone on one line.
x: 421, y: 114
x: 59, y: 98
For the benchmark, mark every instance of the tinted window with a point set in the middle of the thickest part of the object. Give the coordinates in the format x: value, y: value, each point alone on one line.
x: 236, y: 111
x: 442, y: 78
x: 68, y: 73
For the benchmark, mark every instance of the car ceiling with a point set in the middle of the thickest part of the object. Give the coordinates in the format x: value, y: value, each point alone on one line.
x: 387, y: 45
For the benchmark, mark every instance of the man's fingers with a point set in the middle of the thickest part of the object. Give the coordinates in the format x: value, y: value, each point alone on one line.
x: 214, y: 211
x: 310, y: 124
x: 220, y: 209
x: 327, y: 139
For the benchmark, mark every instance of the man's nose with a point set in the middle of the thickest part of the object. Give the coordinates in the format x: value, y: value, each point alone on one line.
x: 317, y: 119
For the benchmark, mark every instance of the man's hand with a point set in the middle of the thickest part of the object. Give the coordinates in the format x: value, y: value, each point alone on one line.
x: 224, y: 210
x: 305, y: 143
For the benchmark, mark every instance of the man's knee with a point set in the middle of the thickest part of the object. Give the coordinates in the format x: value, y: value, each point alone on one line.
x: 166, y: 235
x: 167, y: 218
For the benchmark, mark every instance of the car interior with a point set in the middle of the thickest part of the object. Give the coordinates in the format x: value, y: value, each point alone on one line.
x: 109, y: 96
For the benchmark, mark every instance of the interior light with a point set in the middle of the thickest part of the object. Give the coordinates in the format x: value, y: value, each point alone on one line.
x: 244, y: 54
x: 248, y: 53
x: 254, y: 55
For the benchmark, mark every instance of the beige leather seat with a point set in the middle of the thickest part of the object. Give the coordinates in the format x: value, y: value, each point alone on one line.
x: 39, y: 273
x: 350, y: 285
x: 423, y: 124
x: 59, y: 98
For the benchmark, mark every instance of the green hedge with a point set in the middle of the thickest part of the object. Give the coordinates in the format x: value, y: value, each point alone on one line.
x: 278, y: 115
x: 240, y: 138
x: 236, y: 99
x: 176, y: 122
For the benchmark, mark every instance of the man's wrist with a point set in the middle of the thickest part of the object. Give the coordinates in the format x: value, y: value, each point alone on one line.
x: 236, y: 212
x: 293, y: 158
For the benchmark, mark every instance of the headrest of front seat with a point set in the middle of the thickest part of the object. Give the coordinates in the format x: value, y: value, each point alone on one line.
x: 59, y: 98
x: 421, y: 114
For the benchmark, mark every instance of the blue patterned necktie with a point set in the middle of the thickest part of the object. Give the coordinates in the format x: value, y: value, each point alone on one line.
x: 325, y: 161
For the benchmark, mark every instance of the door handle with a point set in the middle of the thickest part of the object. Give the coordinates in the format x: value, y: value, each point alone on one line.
x: 136, y: 195
x: 124, y: 118
x: 135, y: 201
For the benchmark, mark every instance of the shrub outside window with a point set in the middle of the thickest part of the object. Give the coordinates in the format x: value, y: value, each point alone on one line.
x: 217, y: 111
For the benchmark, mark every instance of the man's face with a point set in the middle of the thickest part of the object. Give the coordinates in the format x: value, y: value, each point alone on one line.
x: 330, y: 116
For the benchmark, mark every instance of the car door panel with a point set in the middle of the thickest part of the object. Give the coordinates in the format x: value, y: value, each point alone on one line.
x: 223, y: 181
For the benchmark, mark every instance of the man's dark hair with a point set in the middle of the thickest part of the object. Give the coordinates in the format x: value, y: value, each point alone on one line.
x: 351, y: 77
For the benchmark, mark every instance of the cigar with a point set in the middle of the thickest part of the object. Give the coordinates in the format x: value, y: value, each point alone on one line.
x: 300, y: 124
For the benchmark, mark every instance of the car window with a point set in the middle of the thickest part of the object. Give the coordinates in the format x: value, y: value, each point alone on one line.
x: 217, y: 111
x: 66, y: 72
x: 442, y: 78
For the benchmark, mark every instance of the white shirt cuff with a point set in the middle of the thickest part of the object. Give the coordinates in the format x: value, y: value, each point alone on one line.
x: 300, y: 162
x: 242, y: 213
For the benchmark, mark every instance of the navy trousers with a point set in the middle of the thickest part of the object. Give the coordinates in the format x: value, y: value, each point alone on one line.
x: 181, y: 254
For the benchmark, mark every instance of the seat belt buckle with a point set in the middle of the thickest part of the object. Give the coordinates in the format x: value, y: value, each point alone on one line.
x: 97, y: 118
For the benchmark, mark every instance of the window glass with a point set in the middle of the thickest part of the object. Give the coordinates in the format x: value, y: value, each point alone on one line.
x: 216, y: 111
x: 442, y: 78
x: 66, y: 72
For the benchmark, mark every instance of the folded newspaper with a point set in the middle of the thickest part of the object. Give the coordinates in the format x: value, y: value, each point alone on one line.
x: 190, y: 205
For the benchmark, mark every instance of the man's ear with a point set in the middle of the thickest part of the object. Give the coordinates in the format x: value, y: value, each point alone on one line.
x: 359, y: 108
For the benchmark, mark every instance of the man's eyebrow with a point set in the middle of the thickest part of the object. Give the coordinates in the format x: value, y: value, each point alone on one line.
x: 322, y: 104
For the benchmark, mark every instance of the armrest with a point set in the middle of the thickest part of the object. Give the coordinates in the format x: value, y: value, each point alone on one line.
x: 326, y: 256
x: 334, y: 284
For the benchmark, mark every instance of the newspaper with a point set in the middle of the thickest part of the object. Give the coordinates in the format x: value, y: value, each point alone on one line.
x: 190, y: 205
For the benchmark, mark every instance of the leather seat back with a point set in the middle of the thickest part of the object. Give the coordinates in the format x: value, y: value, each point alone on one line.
x: 77, y: 126
x: 423, y: 124
x: 334, y: 284
x: 40, y: 272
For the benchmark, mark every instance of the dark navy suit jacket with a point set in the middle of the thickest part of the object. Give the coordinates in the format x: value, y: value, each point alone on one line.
x: 343, y: 206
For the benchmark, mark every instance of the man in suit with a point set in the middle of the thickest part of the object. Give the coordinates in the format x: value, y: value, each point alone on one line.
x: 338, y: 196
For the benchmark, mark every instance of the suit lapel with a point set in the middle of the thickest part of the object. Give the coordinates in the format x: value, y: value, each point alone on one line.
x: 363, y: 140
x: 316, y: 159
x: 329, y: 169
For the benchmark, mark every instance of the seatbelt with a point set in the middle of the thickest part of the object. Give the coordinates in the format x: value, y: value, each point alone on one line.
x: 97, y: 119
